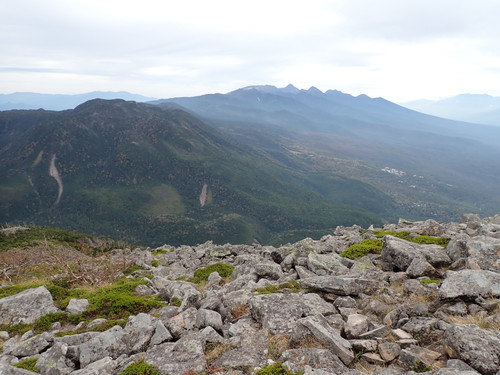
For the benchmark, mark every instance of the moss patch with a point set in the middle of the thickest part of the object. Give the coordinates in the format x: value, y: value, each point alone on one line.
x: 277, y: 368
x: 293, y: 285
x: 140, y: 368
x: 201, y: 275
x: 28, y: 364
x: 358, y: 250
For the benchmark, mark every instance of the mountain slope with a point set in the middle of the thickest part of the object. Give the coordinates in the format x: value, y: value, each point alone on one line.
x: 482, y: 109
x: 449, y: 167
x: 30, y: 100
x: 154, y: 175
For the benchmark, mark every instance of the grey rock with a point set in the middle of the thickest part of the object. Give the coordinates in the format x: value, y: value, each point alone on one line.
x: 161, y: 334
x: 326, y: 264
x: 399, y: 253
x: 180, y: 324
x: 138, y: 332
x: 276, y: 312
x: 177, y: 358
x: 484, y: 253
x: 96, y: 322
x: 361, y: 345
x: 346, y: 302
x: 479, y: 348
x: 471, y: 284
x: 214, y: 280
x: 297, y: 359
x: 104, y: 366
x: 373, y: 358
x: 341, y: 285
x: 412, y: 355
x: 242, y: 357
x: 208, y: 318
x: 379, y: 332
x: 356, y: 325
x: 420, y: 325
x: 54, y: 361
x: 29, y: 347
x: 270, y: 271
x: 420, y: 267
x: 178, y: 290
x: 318, y: 326
x: 144, y: 290
x: 457, y: 247
x: 26, y: 307
x: 415, y: 287
x: 389, y: 351
x: 313, y: 304
x: 77, y: 306
x: 303, y: 272
x: 107, y: 343
x: 75, y: 340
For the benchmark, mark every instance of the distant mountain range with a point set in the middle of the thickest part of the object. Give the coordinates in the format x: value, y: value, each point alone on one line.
x: 481, y: 109
x: 30, y: 100
x: 260, y: 164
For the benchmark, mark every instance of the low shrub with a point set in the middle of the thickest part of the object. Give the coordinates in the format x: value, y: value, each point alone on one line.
x: 201, y: 275
x: 358, y: 250
x: 140, y: 368
x: 276, y: 368
x: 27, y: 364
x: 293, y: 285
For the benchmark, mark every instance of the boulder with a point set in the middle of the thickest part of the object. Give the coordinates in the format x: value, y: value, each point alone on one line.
x: 104, y: 366
x: 6, y: 369
x: 479, y: 348
x: 341, y: 285
x: 138, y: 332
x: 29, y: 347
x: 106, y: 344
x: 77, y: 306
x: 180, y: 324
x: 297, y: 359
x: 389, y: 351
x: 270, y: 271
x: 161, y: 333
x: 208, y: 318
x: 470, y: 284
x: 276, y: 312
x: 318, y: 326
x: 26, y: 307
x: 398, y: 253
x: 484, y: 253
x: 326, y: 264
x: 54, y: 361
x: 356, y: 325
x: 414, y: 355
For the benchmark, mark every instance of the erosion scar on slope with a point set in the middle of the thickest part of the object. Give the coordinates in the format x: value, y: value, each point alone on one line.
x: 203, y: 195
x: 53, y: 172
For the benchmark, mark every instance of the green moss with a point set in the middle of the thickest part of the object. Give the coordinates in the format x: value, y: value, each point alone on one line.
x: 361, y: 249
x: 132, y: 269
x: 155, y: 262
x: 158, y: 252
x: 294, y: 286
x: 442, y: 241
x: 430, y: 281
x: 120, y: 301
x: 174, y: 301
x: 43, y: 323
x: 277, y: 368
x: 201, y: 275
x: 27, y: 364
x: 104, y: 326
x: 405, y: 235
x: 421, y: 367
x: 140, y: 368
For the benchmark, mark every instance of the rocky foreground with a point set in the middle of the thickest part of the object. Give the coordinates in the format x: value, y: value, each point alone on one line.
x: 411, y: 308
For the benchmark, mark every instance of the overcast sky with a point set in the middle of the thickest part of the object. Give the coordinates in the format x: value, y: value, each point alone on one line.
x: 397, y: 49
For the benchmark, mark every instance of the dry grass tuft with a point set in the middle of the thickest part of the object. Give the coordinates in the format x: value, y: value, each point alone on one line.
x: 480, y: 321
x: 240, y: 311
x: 215, y: 350
x: 277, y: 344
x: 308, y: 341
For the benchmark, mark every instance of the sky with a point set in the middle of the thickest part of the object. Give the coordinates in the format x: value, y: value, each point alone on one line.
x: 397, y: 49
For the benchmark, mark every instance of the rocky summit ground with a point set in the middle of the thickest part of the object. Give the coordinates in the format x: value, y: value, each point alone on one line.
x: 412, y: 297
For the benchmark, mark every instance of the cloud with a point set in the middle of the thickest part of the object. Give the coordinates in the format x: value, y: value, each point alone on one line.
x: 390, y: 48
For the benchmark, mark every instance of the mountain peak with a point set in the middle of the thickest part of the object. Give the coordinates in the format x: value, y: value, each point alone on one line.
x: 314, y: 90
